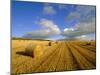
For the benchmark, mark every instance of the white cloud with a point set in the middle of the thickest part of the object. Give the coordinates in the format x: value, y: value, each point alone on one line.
x: 50, y: 25
x: 82, y: 13
x: 80, y: 29
x: 85, y: 16
x: 68, y: 29
x: 88, y: 27
x: 82, y: 37
x: 73, y: 16
x: 49, y: 10
x: 84, y: 8
x: 85, y: 37
x: 49, y: 29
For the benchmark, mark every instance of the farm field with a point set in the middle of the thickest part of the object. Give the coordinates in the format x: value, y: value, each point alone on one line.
x: 32, y: 56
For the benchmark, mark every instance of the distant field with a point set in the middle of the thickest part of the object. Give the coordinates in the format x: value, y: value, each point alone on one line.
x: 31, y: 56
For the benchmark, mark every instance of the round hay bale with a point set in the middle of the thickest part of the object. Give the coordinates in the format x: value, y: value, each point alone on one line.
x: 49, y: 44
x: 88, y: 43
x: 56, y: 42
x: 29, y: 50
x: 39, y: 50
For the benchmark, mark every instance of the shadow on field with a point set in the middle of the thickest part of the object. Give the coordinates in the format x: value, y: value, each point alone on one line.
x: 23, y: 53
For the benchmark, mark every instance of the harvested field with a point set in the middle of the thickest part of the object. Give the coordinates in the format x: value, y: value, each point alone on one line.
x: 48, y: 56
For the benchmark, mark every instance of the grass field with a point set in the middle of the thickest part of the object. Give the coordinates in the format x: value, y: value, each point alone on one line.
x: 31, y: 56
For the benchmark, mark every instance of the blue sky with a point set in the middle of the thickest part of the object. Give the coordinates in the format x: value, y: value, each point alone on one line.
x: 52, y: 21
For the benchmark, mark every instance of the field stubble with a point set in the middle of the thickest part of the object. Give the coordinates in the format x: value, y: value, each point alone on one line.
x: 48, y: 56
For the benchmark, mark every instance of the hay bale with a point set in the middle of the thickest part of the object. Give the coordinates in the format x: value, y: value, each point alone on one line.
x: 88, y: 43
x: 35, y: 51
x: 49, y: 44
x: 56, y: 42
x: 29, y: 50
x: 39, y: 51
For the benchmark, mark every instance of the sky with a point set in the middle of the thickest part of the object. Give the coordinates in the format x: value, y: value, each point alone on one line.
x: 38, y: 20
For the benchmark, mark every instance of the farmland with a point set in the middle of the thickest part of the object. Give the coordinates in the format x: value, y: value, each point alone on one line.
x: 50, y: 56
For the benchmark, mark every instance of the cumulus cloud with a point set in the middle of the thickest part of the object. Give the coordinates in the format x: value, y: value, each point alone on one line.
x: 87, y: 27
x: 73, y: 16
x: 83, y: 37
x: 49, y: 29
x: 86, y: 9
x: 85, y: 15
x: 50, y: 25
x: 82, y: 13
x: 49, y: 10
x: 40, y: 34
x: 80, y: 29
x: 86, y: 37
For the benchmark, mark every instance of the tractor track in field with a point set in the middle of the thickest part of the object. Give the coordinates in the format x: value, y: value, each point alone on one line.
x: 64, y: 56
